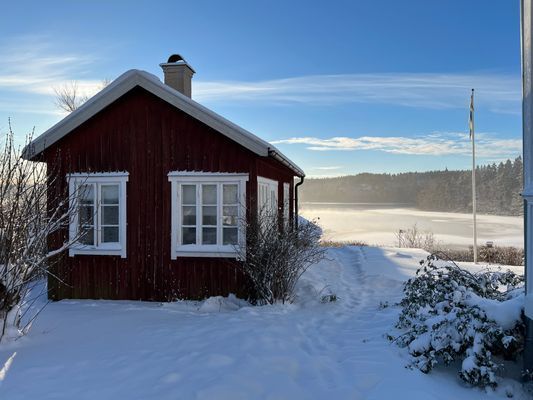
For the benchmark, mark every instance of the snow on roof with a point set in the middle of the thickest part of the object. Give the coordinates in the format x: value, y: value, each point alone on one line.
x: 132, y: 78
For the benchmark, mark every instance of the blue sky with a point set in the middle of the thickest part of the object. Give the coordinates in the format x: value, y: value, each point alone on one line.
x: 341, y: 87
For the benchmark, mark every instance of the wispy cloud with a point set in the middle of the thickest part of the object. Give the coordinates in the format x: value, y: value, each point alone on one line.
x: 330, y: 168
x: 498, y: 92
x: 33, y: 64
x: 36, y: 64
x: 438, y: 144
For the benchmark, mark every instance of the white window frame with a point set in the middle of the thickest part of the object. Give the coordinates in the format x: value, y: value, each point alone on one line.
x: 178, y: 178
x: 286, y: 202
x: 98, y: 179
x: 272, y: 187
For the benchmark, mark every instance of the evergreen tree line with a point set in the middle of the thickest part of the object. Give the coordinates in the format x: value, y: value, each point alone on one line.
x: 498, y: 188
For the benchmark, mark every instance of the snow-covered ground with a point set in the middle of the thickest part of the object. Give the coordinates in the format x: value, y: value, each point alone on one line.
x: 226, y: 349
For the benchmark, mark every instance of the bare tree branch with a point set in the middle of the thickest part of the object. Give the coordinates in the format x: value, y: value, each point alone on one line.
x: 26, y: 223
x: 69, y: 98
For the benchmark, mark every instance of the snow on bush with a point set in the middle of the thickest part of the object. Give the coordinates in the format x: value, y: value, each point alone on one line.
x: 451, y: 314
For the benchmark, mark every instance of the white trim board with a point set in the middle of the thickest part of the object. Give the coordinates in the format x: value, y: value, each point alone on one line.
x: 99, y: 175
x: 205, y: 175
x: 270, y: 182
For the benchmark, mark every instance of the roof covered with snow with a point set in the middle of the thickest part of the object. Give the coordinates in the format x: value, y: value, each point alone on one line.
x: 132, y: 78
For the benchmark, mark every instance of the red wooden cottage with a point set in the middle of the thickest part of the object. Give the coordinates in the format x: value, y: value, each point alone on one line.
x: 165, y: 181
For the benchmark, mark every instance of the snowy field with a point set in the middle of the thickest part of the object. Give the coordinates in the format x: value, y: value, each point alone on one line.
x: 377, y: 224
x: 226, y: 349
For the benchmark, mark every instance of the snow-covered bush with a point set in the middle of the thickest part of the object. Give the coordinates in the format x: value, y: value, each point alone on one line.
x: 277, y: 254
x: 451, y: 314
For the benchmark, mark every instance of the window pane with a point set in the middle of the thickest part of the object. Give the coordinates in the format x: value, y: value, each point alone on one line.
x: 188, y: 215
x: 263, y: 198
x: 86, y: 194
x: 110, y: 215
x: 230, y: 236
x: 188, y: 235
x: 209, y: 236
x: 286, y: 202
x: 87, y: 236
x: 230, y: 215
x: 230, y: 194
x: 110, y: 194
x: 209, y: 194
x: 188, y: 194
x: 209, y: 215
x: 86, y: 215
x: 273, y: 202
x: 110, y: 234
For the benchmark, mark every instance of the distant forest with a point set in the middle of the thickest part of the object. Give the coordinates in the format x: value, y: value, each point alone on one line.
x: 498, y: 189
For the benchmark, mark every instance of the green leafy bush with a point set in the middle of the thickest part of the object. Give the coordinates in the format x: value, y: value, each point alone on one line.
x: 451, y: 314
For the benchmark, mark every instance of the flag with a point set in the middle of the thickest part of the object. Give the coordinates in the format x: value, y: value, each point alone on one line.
x: 471, y: 121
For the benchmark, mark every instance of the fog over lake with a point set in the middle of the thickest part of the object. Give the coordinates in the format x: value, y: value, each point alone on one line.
x: 378, y: 223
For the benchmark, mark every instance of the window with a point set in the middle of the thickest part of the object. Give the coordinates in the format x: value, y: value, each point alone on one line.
x: 267, y: 196
x: 206, y: 212
x: 99, y: 221
x: 286, y: 202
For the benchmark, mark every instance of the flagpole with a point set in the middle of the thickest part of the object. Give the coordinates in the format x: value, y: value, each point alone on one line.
x: 472, y: 137
x: 526, y: 27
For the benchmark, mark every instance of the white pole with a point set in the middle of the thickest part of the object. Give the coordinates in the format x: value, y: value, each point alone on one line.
x: 526, y: 23
x: 474, y: 179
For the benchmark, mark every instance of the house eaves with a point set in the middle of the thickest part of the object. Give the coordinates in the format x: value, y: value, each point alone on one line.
x: 152, y: 84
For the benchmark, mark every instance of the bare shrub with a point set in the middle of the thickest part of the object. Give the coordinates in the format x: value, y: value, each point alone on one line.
x: 25, y: 225
x: 504, y: 255
x: 342, y: 243
x: 275, y: 256
x: 415, y: 238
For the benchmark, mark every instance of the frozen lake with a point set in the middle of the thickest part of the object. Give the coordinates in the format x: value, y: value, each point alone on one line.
x: 378, y: 223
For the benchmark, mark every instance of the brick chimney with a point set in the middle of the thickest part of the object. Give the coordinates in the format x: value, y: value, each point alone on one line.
x: 178, y: 74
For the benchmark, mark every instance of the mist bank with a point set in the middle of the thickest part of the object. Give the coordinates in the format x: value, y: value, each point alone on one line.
x: 379, y: 225
x: 498, y: 189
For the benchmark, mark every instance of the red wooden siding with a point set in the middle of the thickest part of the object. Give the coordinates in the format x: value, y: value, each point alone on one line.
x: 147, y: 137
